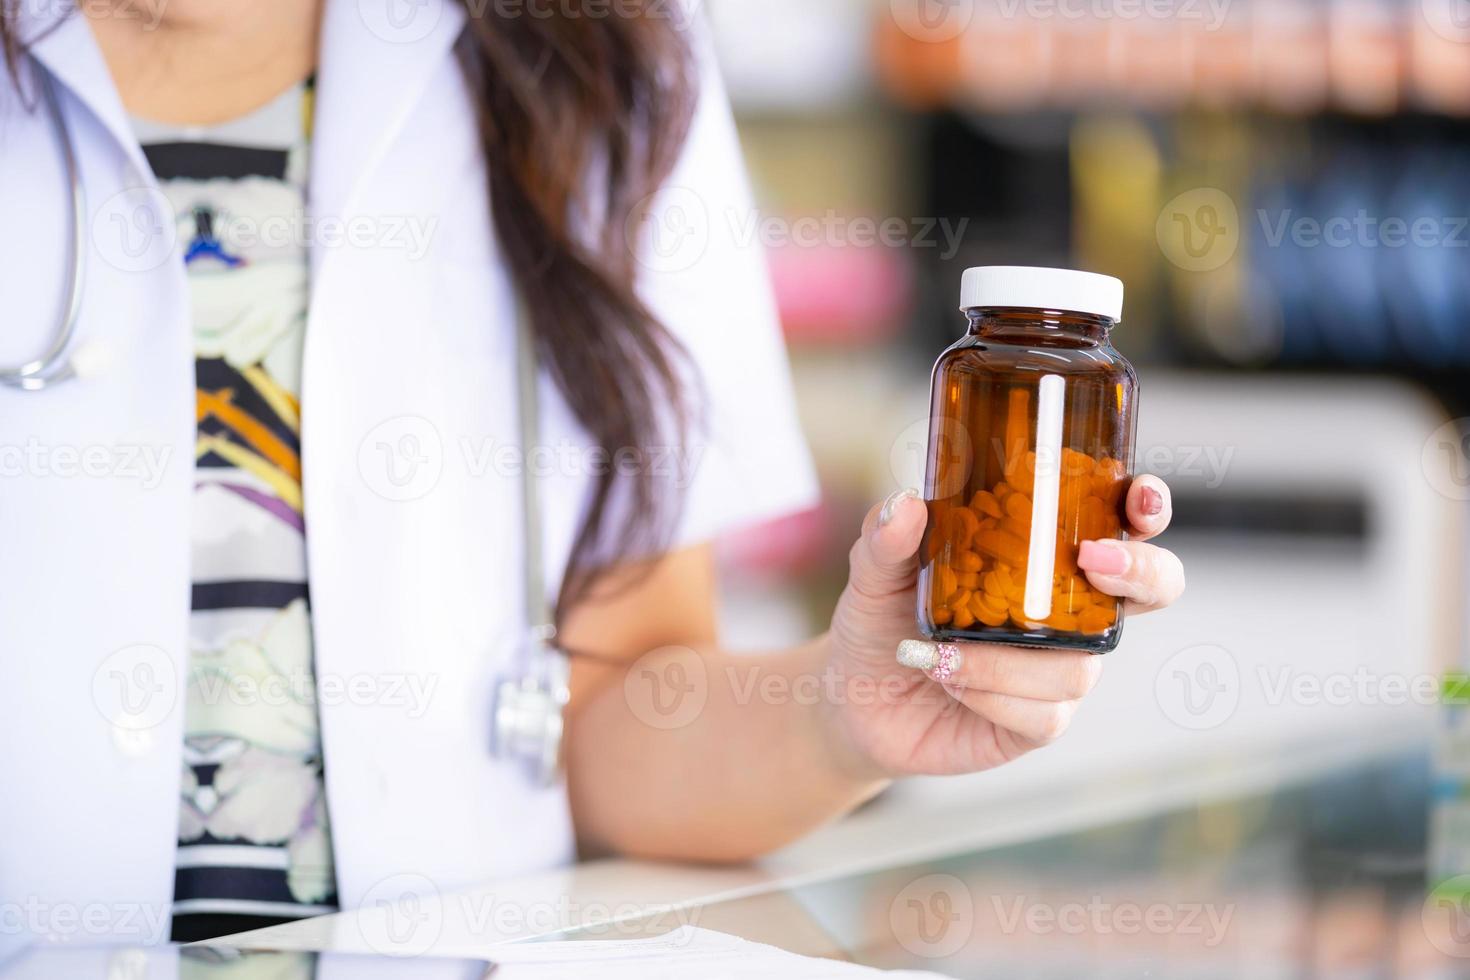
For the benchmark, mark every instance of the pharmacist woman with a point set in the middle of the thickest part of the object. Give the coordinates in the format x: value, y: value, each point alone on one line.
x: 262, y: 563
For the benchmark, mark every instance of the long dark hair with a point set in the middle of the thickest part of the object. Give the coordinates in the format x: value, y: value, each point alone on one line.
x: 582, y: 110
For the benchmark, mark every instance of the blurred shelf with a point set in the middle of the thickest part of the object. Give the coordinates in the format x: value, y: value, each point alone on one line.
x: 1371, y: 57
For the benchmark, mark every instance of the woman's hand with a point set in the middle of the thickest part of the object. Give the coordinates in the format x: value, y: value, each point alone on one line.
x: 1000, y: 702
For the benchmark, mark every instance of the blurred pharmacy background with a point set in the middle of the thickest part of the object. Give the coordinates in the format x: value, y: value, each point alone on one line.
x: 1284, y: 185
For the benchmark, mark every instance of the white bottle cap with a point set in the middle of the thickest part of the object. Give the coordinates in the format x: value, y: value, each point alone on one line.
x: 1023, y: 287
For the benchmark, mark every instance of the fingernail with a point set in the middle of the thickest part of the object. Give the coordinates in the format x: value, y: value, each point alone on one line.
x: 1153, y: 502
x: 891, y: 505
x: 941, y: 661
x: 1104, y: 557
x: 918, y: 654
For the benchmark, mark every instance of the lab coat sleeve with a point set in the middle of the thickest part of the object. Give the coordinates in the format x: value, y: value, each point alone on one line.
x: 704, y: 275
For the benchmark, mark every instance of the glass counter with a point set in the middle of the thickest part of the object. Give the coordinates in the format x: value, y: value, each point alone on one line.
x: 1321, y: 879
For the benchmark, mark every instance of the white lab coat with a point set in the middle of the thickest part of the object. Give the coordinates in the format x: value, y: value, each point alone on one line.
x: 413, y: 527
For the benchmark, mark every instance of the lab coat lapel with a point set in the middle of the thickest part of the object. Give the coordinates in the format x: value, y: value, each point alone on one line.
x: 377, y: 59
x: 409, y: 358
x: 69, y: 51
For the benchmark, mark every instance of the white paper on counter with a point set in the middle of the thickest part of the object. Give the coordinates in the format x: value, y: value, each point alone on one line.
x: 687, y: 953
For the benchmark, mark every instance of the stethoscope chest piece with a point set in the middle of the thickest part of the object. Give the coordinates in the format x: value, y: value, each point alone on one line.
x: 529, y: 712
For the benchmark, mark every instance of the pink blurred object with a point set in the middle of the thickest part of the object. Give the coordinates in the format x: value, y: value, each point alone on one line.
x: 789, y: 546
x: 847, y: 294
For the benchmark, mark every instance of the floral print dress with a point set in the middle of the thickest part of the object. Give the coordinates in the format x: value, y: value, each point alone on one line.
x: 254, y: 839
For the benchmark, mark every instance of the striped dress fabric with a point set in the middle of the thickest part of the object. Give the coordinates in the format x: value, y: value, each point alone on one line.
x: 254, y: 839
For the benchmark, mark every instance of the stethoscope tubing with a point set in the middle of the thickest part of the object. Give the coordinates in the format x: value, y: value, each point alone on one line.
x: 53, y: 366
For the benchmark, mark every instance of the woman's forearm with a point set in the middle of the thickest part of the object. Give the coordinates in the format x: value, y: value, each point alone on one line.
x: 715, y: 757
x: 709, y: 756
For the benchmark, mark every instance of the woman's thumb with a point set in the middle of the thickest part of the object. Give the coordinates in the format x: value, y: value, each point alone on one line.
x: 886, y: 557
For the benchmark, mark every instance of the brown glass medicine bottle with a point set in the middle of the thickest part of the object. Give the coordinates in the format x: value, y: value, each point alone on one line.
x: 1030, y: 454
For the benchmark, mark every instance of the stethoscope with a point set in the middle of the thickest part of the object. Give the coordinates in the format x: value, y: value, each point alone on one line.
x: 54, y: 365
x: 530, y: 704
x: 531, y: 701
